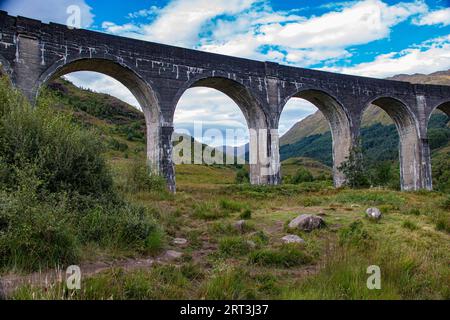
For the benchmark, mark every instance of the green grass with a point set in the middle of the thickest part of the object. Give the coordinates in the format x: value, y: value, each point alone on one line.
x: 287, y: 256
x: 234, y: 246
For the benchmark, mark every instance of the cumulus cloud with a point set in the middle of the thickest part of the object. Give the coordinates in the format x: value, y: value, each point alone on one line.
x: 49, y: 10
x: 180, y: 22
x: 430, y: 56
x: 253, y: 29
x: 437, y: 17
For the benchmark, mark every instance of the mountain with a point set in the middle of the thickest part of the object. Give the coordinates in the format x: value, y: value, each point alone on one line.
x: 316, y: 123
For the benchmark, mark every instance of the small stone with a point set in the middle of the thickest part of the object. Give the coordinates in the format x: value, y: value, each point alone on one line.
x: 374, y: 213
x: 172, y: 254
x: 292, y: 238
x: 251, y: 244
x: 307, y: 222
x: 240, y: 225
x: 179, y: 241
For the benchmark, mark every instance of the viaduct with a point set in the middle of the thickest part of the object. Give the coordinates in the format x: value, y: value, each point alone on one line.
x: 33, y: 53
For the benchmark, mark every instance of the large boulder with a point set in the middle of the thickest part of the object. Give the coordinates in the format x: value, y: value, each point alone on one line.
x: 307, y: 222
x: 374, y: 213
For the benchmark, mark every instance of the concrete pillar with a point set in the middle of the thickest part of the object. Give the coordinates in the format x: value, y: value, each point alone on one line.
x: 264, y: 157
x: 166, y: 166
x: 27, y: 65
x: 411, y: 162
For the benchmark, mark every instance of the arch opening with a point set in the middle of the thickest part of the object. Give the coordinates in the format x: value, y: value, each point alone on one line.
x: 222, y: 114
x: 325, y: 135
x: 438, y: 133
x: 147, y: 126
x: 407, y: 140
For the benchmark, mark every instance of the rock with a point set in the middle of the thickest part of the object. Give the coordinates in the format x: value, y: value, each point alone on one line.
x: 251, y: 244
x: 240, y: 225
x: 179, y: 241
x: 374, y: 213
x: 307, y: 222
x: 173, y: 255
x: 292, y: 238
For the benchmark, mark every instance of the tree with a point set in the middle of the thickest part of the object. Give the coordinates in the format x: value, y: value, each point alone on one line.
x: 353, y: 169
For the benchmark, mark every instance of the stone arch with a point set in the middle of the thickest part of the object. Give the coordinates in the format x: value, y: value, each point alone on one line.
x: 139, y: 87
x: 409, y: 148
x: 339, y: 122
x: 443, y: 106
x: 263, y: 160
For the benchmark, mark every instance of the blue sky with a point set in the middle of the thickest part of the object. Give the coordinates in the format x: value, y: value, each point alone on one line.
x: 377, y: 38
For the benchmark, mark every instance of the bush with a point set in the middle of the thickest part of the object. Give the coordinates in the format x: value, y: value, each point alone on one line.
x: 246, y: 215
x: 208, y: 211
x: 139, y: 178
x: 355, y: 234
x: 67, y: 157
x: 242, y: 175
x: 35, y: 234
x: 126, y: 227
x: 302, y: 175
x: 234, y: 246
x: 289, y: 255
x: 354, y: 170
x: 409, y: 225
x: 56, y: 191
x: 230, y: 205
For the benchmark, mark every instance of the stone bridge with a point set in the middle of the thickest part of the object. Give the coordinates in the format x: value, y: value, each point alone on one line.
x: 33, y: 53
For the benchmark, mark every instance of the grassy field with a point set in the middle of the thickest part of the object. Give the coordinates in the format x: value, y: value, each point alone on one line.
x: 411, y: 244
x: 74, y: 196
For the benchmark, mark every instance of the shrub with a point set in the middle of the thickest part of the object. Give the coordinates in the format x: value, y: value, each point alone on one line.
x: 409, y: 225
x: 67, y: 157
x: 242, y: 175
x: 126, y: 227
x: 227, y: 284
x: 354, y: 170
x: 446, y: 203
x: 208, y: 211
x: 443, y: 223
x: 234, y: 246
x: 246, y: 215
x: 116, y: 145
x: 230, y: 205
x: 355, y: 234
x: 289, y: 255
x: 139, y: 178
x: 35, y: 234
x: 302, y: 175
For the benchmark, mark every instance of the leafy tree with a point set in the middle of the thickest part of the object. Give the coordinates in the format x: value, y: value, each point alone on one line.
x: 354, y: 170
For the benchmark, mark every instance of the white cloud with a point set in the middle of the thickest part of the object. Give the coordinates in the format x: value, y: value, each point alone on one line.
x: 430, y: 56
x: 180, y: 22
x: 245, y: 28
x: 437, y: 17
x: 48, y: 10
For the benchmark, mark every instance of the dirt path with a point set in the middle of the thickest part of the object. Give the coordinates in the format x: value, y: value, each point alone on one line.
x: 9, y: 282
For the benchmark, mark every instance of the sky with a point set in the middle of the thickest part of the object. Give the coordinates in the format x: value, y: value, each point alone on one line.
x: 376, y: 38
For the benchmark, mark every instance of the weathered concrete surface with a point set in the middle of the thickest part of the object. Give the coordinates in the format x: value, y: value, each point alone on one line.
x: 33, y: 53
